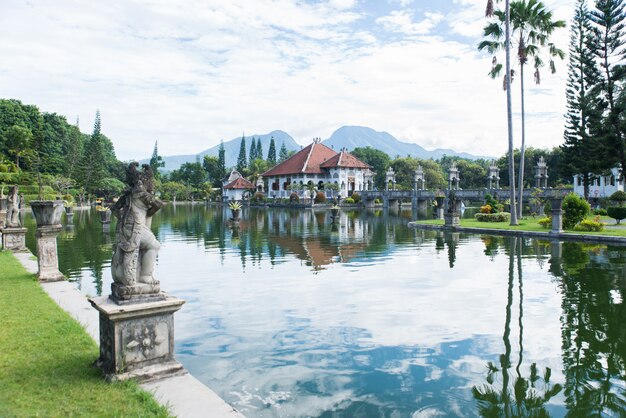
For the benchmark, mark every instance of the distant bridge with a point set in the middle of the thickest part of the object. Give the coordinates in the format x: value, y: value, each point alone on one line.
x: 419, y: 198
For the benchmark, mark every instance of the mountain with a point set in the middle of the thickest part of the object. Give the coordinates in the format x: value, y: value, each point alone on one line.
x: 231, y: 149
x: 351, y: 137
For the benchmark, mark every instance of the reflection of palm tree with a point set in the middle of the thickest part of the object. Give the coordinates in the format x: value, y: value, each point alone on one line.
x: 525, y: 400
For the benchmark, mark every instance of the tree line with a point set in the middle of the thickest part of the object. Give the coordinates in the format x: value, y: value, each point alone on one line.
x: 204, y: 176
x: 43, y: 148
x: 34, y: 142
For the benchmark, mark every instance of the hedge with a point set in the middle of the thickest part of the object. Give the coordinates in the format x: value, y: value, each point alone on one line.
x: 589, y: 225
x: 493, y: 217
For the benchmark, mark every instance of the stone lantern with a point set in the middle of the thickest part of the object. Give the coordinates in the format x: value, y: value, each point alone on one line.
x: 418, y: 179
x: 541, y: 177
x: 493, y: 177
x: 453, y: 179
x: 390, y: 176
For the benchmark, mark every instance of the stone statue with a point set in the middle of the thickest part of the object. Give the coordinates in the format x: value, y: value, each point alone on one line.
x: 13, y: 208
x: 136, y: 247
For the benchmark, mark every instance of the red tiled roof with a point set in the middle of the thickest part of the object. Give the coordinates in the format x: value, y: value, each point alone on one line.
x: 307, y: 161
x: 344, y: 159
x: 240, y: 183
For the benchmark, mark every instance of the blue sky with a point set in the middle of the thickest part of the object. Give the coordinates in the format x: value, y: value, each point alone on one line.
x: 189, y: 73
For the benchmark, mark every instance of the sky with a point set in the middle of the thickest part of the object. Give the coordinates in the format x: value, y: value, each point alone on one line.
x: 189, y: 73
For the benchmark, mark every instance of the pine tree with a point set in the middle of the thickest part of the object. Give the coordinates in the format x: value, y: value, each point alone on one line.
x: 283, y: 153
x: 97, y: 125
x: 609, y: 19
x: 271, y: 154
x: 93, y: 165
x: 252, y: 154
x: 242, y: 161
x: 156, y: 161
x: 221, y: 157
x: 581, y: 92
x: 259, y: 149
x: 74, y: 152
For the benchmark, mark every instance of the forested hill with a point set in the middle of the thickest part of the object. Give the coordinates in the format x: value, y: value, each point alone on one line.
x: 33, y: 141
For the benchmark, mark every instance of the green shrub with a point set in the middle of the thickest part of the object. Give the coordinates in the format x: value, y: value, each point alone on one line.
x: 494, y: 206
x: 589, y: 225
x: 575, y: 209
x: 547, y: 209
x: 616, y: 212
x: 34, y: 189
x: 492, y: 217
x: 348, y: 200
x: 258, y: 197
x: 47, y: 196
x: 356, y: 197
x: 600, y: 212
x: 378, y: 200
x: 545, y: 222
x: 8, y: 178
x: 619, y: 197
x: 320, y: 197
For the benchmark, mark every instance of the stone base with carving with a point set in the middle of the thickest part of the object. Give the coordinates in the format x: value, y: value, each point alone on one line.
x: 47, y: 258
x: 137, y: 340
x: 452, y: 219
x: 14, y: 239
x: 137, y: 293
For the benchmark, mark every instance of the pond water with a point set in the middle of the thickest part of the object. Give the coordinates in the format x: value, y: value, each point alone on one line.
x: 292, y: 316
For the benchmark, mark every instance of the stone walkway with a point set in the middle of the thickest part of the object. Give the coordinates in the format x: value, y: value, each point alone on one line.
x: 185, y: 395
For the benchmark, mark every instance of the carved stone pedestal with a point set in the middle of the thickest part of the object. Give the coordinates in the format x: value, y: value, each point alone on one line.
x: 47, y: 258
x: 137, y: 293
x: 14, y: 239
x: 452, y: 219
x: 557, y: 215
x: 137, y: 340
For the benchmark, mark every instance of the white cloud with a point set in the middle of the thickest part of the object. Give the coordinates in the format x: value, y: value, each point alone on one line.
x: 189, y: 74
x: 402, y: 21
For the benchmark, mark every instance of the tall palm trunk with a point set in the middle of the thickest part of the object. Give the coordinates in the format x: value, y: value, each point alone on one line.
x: 520, y: 200
x: 509, y: 113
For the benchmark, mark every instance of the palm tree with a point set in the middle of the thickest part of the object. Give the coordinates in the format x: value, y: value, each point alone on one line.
x: 532, y: 27
x: 509, y: 109
x: 311, y: 188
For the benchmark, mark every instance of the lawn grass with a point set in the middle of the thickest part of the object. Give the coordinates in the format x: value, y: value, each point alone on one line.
x: 529, y: 224
x: 46, y: 358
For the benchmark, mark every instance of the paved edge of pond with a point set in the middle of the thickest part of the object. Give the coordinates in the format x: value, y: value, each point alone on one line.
x: 184, y: 395
x: 565, y: 236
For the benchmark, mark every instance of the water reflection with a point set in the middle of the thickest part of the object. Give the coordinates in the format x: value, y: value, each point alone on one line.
x: 524, y: 398
x: 291, y: 315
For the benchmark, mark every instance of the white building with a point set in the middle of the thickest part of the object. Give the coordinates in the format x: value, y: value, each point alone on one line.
x: 235, y: 187
x: 600, y: 186
x: 317, y: 164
